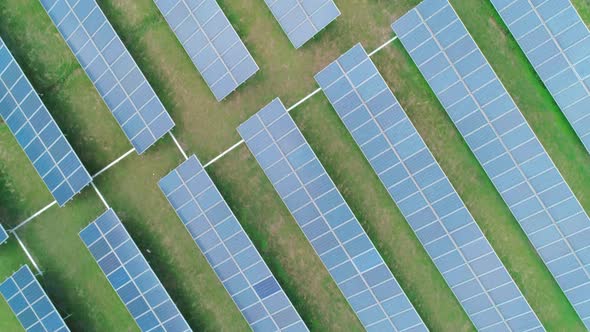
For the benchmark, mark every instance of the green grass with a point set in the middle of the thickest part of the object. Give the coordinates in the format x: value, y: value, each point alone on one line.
x: 205, y: 127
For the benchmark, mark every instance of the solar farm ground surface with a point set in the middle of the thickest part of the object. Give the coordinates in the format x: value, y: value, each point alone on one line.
x: 76, y: 285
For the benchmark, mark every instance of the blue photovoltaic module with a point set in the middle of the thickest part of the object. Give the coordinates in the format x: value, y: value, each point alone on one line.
x: 27, y: 299
x: 130, y: 275
x: 557, y: 43
x: 3, y: 234
x: 424, y: 194
x: 37, y: 133
x: 328, y: 223
x: 504, y: 144
x: 301, y: 20
x: 228, y: 249
x: 211, y: 42
x: 112, y: 70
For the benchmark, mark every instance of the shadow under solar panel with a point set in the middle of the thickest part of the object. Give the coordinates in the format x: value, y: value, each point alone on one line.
x: 504, y: 144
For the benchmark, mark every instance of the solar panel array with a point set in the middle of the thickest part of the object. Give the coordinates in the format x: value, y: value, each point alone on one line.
x: 112, y: 70
x: 3, y: 235
x: 328, y: 223
x: 131, y: 276
x: 27, y: 299
x: 556, y: 41
x: 301, y: 20
x: 37, y: 133
x: 228, y: 249
x: 426, y: 198
x: 211, y: 42
x: 503, y: 142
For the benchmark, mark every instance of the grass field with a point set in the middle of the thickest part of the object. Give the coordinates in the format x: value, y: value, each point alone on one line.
x: 205, y: 127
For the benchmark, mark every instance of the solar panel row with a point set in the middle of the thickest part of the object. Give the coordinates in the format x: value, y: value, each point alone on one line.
x: 112, y: 70
x: 27, y: 299
x: 228, y: 249
x: 424, y: 194
x: 556, y: 41
x: 211, y: 42
x: 328, y: 223
x: 37, y: 133
x: 3, y: 235
x: 301, y: 20
x: 130, y: 275
x: 504, y: 144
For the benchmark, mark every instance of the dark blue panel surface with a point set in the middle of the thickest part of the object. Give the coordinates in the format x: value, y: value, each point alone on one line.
x: 228, y: 249
x: 131, y: 276
x: 327, y: 221
x: 301, y: 20
x: 211, y: 42
x: 557, y: 43
x: 424, y: 194
x: 503, y: 142
x: 37, y: 133
x: 30, y: 304
x: 112, y: 70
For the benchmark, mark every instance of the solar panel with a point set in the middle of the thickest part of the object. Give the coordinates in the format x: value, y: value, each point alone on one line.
x: 424, y: 194
x: 131, y: 276
x: 228, y: 249
x: 3, y: 234
x: 112, y: 70
x: 27, y: 299
x: 37, y: 133
x: 211, y: 42
x: 503, y: 142
x: 556, y: 41
x: 301, y: 20
x: 328, y: 223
